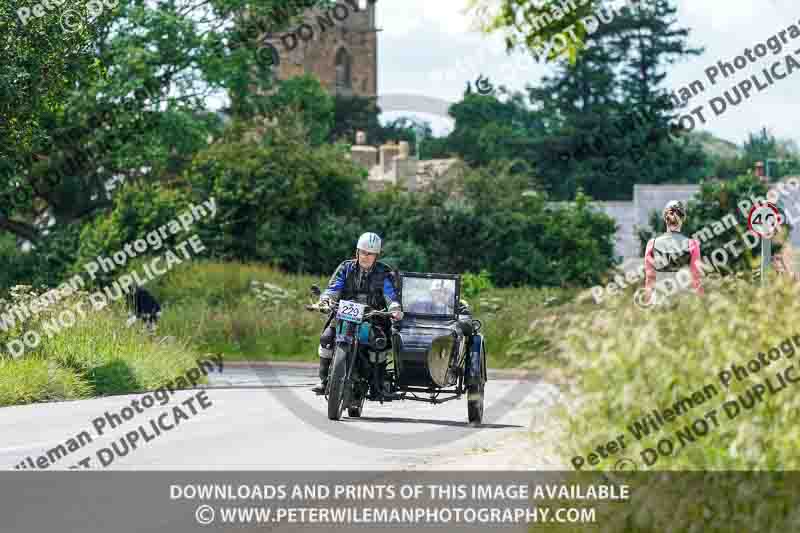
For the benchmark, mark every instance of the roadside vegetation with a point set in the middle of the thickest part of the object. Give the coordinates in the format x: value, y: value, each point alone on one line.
x: 627, y: 363
x: 624, y: 363
x: 256, y: 313
x: 99, y: 355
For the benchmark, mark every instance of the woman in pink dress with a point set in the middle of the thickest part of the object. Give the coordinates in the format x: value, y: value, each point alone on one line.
x: 668, y: 256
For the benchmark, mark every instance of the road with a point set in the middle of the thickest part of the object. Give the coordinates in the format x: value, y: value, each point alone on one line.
x: 266, y: 418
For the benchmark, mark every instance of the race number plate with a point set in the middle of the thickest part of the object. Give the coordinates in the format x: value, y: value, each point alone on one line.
x: 351, y: 311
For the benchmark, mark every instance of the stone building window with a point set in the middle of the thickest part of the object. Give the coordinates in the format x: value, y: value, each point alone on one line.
x: 343, y: 65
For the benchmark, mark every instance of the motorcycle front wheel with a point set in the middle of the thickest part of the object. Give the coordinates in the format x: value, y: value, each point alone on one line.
x: 337, y: 385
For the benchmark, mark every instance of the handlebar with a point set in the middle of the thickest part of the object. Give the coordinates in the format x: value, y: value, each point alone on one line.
x: 318, y: 309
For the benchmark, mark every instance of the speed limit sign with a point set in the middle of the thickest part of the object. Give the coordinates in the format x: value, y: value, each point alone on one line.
x: 764, y: 220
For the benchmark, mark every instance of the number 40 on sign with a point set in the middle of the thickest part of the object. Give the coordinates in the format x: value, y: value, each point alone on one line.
x: 764, y: 220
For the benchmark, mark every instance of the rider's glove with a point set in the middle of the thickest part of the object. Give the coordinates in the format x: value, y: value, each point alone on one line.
x: 324, y: 302
x: 397, y: 312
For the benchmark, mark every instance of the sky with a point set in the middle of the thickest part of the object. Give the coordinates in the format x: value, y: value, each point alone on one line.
x: 430, y: 48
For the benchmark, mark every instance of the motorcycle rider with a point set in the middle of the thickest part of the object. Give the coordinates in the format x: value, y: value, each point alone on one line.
x: 671, y: 252
x: 363, y: 279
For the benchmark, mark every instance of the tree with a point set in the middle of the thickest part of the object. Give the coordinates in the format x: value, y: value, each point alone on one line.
x: 278, y: 195
x: 404, y: 129
x: 123, y: 97
x: 529, y: 26
x: 352, y: 114
x: 42, y: 64
x: 610, y: 121
x: 650, y: 39
x: 760, y: 147
x: 488, y: 129
x: 315, y: 106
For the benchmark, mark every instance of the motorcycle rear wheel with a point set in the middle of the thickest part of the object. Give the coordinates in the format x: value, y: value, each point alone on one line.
x: 337, y: 385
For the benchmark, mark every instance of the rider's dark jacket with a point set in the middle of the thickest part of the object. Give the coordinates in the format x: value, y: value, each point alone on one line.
x: 376, y: 288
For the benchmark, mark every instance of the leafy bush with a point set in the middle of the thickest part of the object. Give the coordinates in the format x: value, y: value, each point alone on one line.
x: 47, y: 264
x: 273, y: 199
x: 473, y: 284
x: 518, y: 238
x: 405, y: 255
x: 138, y: 210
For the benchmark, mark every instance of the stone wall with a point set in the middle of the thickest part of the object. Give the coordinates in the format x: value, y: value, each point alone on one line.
x: 624, y: 215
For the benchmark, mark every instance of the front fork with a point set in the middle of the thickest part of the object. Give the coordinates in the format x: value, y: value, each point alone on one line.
x: 347, y: 333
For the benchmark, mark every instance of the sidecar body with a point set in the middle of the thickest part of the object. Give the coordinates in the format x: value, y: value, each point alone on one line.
x: 437, y: 347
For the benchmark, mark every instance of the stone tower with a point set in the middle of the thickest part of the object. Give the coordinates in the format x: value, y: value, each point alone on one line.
x: 337, y: 45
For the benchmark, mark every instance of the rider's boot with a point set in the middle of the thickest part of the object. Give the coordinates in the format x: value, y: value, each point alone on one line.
x: 384, y: 381
x: 324, y: 366
x: 325, y: 352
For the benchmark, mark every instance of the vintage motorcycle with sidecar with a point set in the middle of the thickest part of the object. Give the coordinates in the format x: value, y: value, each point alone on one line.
x: 435, y: 350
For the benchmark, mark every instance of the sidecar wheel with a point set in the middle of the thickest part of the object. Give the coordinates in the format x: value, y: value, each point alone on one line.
x: 475, y: 404
x: 336, y: 379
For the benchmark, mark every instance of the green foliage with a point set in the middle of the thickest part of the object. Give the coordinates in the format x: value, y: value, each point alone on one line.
x: 220, y: 307
x: 315, y: 106
x: 46, y: 265
x: 516, y: 237
x: 515, y: 19
x: 274, y: 199
x: 405, y: 255
x: 38, y: 380
x: 601, y: 121
x: 487, y: 129
x: 138, y: 210
x: 473, y: 284
x: 123, y: 97
x: 354, y: 113
x: 628, y: 362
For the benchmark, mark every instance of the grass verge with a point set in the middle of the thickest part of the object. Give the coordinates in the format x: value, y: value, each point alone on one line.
x: 256, y: 313
x: 94, y: 355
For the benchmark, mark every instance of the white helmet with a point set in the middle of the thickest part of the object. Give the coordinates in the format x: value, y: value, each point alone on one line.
x: 369, y: 242
x: 675, y: 208
x: 438, y: 285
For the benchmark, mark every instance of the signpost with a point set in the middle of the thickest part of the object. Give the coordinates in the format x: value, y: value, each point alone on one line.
x: 764, y: 220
